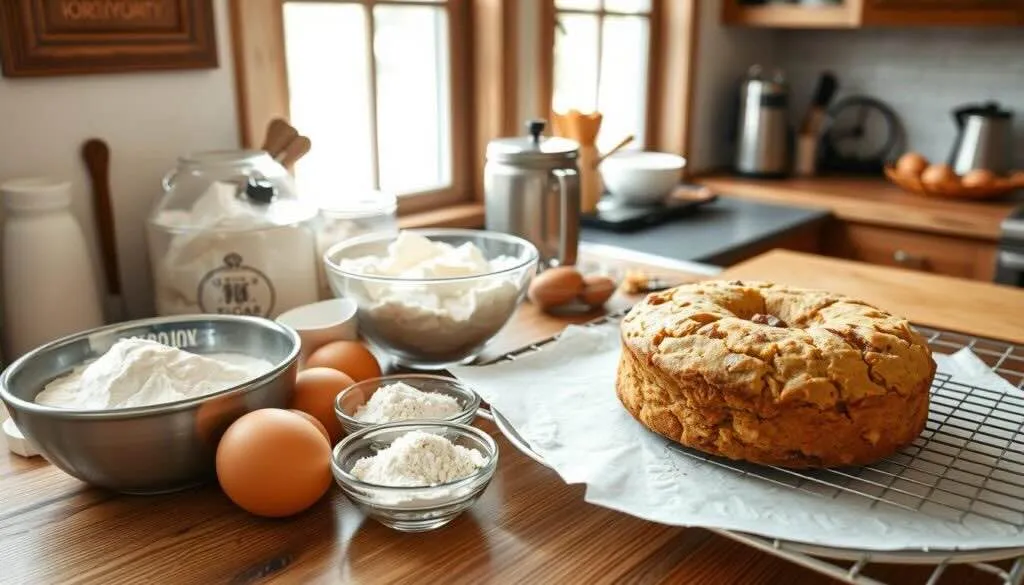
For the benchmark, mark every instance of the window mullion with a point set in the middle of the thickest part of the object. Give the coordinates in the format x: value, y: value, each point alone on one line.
x: 600, y: 57
x: 371, y: 68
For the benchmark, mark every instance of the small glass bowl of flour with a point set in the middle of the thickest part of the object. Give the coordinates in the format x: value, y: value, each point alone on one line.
x: 415, y: 476
x: 405, y: 397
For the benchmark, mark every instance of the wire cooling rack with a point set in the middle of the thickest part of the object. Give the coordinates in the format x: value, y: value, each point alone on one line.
x: 967, y: 463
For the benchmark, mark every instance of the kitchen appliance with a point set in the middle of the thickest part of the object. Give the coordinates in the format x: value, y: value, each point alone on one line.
x: 613, y: 216
x: 1010, y: 257
x: 532, y: 190
x: 763, y: 139
x: 860, y: 134
x: 984, y: 139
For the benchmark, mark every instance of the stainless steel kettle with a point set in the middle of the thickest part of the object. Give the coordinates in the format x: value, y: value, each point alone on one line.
x: 763, y: 141
x: 984, y: 140
x: 532, y: 190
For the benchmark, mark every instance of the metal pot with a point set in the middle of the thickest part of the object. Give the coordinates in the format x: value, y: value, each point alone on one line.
x: 532, y: 189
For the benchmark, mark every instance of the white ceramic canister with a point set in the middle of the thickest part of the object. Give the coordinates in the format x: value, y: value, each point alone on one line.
x: 230, y: 236
x: 50, y: 289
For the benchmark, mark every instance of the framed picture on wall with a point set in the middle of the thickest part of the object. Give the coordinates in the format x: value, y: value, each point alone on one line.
x: 70, y: 37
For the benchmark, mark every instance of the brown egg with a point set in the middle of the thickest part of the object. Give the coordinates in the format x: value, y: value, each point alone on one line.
x: 939, y: 176
x: 555, y: 287
x: 314, y: 394
x: 978, y: 178
x: 273, y: 463
x: 597, y: 290
x: 313, y: 421
x: 1017, y: 178
x: 350, y: 357
x: 911, y: 164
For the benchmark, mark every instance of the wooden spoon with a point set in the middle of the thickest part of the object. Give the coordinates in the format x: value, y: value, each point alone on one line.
x: 622, y: 144
x: 96, y: 154
x: 295, y: 150
x: 279, y: 135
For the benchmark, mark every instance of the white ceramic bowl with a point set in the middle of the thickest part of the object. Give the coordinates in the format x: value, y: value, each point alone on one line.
x: 321, y: 323
x: 642, y: 178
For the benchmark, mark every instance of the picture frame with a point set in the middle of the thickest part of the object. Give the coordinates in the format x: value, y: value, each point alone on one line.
x: 74, y: 37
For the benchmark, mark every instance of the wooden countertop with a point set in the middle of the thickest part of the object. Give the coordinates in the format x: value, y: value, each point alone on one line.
x: 529, y: 526
x: 875, y: 201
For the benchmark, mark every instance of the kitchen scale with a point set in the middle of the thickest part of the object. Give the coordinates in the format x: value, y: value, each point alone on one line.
x: 614, y: 216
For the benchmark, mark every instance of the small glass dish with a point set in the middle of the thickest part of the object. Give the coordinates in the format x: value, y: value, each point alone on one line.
x: 350, y: 399
x: 413, y: 509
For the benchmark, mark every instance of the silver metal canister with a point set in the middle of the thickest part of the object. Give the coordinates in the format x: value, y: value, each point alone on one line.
x: 532, y: 190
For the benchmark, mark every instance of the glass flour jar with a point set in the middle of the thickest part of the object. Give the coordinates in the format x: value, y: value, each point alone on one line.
x: 230, y: 236
x: 355, y: 215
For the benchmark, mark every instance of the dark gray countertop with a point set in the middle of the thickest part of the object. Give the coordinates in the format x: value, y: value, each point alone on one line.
x: 715, y: 233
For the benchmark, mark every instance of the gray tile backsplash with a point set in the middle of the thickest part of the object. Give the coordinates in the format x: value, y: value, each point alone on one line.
x: 921, y: 73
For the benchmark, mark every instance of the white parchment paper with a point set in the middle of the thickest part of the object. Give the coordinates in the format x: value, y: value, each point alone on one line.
x: 562, y: 401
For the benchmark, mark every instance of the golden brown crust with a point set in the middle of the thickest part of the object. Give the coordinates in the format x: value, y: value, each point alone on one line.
x: 814, y: 380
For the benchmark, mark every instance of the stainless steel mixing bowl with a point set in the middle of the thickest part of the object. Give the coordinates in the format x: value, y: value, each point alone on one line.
x: 149, y: 449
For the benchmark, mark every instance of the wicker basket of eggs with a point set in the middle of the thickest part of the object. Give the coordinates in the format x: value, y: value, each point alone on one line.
x: 914, y: 173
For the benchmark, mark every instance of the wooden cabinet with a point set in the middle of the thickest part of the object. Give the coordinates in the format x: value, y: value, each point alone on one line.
x: 862, y: 13
x: 937, y: 254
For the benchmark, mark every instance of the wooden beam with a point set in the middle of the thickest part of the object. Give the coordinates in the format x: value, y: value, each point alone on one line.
x: 261, y: 76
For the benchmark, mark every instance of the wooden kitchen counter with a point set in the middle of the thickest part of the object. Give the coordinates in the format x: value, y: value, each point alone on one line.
x: 875, y: 201
x: 529, y: 527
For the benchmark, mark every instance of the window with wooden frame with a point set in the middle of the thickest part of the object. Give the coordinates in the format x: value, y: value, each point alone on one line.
x: 629, y: 59
x: 384, y: 90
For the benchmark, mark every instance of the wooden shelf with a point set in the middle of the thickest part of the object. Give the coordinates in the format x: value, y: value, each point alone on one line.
x: 860, y: 13
x: 789, y: 16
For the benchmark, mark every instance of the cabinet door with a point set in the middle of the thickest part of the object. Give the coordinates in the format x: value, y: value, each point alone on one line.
x: 915, y: 251
x: 944, y: 12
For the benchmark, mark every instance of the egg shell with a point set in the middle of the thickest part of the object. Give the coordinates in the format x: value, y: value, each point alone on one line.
x: 350, y: 357
x: 911, y: 164
x: 314, y: 393
x: 313, y: 421
x: 940, y: 175
x: 273, y: 463
x: 978, y: 178
x: 555, y: 286
x: 597, y: 290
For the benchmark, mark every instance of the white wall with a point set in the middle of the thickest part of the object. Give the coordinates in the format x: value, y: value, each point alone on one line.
x: 148, y: 120
x: 724, y: 54
x: 922, y: 73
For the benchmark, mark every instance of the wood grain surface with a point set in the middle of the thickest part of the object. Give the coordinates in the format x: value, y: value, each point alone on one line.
x: 529, y: 526
x: 876, y: 202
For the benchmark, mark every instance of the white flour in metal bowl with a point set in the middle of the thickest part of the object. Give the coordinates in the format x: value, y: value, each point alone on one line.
x: 140, y: 372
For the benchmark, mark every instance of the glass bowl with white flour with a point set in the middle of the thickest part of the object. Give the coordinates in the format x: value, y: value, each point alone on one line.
x: 405, y: 397
x: 415, y: 476
x: 432, y: 298
x: 138, y: 407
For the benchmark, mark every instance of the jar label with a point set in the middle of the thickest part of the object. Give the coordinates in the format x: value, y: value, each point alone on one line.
x: 236, y: 289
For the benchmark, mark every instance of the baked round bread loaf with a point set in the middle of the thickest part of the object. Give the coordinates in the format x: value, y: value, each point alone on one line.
x: 773, y: 374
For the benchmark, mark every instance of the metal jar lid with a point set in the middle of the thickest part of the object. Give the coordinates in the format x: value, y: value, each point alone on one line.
x: 533, y: 149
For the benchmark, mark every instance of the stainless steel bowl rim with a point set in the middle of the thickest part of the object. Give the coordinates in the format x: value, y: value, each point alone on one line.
x: 534, y: 254
x: 483, y: 472
x: 156, y: 409
x: 472, y: 406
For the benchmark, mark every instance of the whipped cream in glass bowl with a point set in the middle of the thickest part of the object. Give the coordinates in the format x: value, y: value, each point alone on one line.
x: 432, y: 298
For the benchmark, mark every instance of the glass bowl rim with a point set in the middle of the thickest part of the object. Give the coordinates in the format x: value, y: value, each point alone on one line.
x: 472, y: 406
x: 483, y: 472
x: 533, y: 255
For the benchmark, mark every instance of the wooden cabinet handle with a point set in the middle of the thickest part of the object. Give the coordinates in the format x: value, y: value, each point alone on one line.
x: 908, y: 260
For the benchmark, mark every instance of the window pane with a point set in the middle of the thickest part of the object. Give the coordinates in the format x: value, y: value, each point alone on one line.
x: 576, y: 52
x: 632, y: 6
x: 623, y: 93
x: 328, y: 82
x: 413, y: 102
x: 578, y: 4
